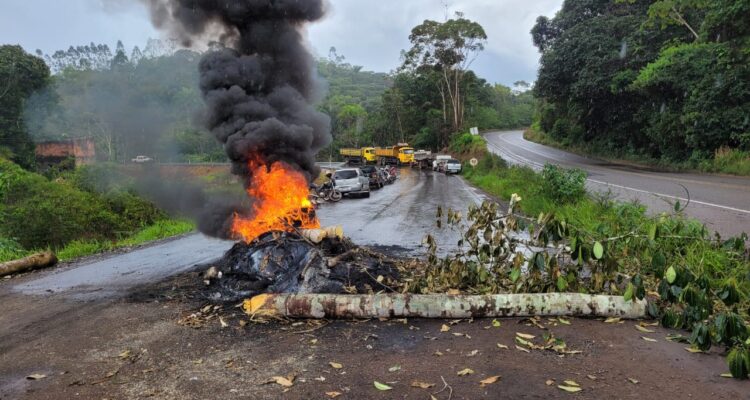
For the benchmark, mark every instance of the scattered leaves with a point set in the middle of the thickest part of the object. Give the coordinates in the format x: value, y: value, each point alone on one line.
x: 335, y: 365
x: 381, y: 386
x: 549, y: 382
x: 522, y: 349
x: 571, y: 383
x: 445, y: 328
x: 634, y: 381
x: 612, y: 320
x: 472, y: 353
x: 693, y: 350
x: 644, y: 330
x: 648, y: 339
x: 422, y: 385
x: 394, y: 368
x: 569, y: 389
x: 285, y: 382
x: 36, y: 377
x: 333, y: 395
x: 489, y: 381
x: 495, y: 323
x: 465, y: 371
x: 525, y: 335
x: 502, y: 346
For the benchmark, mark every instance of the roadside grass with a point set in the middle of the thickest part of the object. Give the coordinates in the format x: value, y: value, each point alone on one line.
x: 160, y: 230
x: 9, y: 250
x: 725, y: 160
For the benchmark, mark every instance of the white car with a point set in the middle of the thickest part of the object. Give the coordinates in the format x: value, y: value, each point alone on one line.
x: 142, y: 159
x: 452, y: 166
x: 350, y: 181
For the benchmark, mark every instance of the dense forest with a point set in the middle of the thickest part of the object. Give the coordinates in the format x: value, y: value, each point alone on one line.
x: 667, y: 79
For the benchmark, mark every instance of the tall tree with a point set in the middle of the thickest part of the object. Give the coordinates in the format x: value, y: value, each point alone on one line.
x: 447, y: 49
x: 21, y: 74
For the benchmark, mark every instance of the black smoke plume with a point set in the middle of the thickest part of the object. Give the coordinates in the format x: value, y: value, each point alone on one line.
x: 259, y: 85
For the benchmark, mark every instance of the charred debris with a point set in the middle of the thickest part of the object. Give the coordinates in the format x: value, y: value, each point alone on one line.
x: 290, y: 262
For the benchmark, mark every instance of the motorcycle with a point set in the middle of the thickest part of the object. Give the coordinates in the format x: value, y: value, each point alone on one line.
x: 326, y: 192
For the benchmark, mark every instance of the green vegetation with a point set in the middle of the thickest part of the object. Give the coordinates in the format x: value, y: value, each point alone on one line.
x: 694, y: 280
x: 21, y: 74
x: 159, y: 230
x: 665, y: 81
x: 78, y: 212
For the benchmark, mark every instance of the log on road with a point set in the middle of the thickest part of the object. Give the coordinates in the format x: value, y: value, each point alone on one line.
x: 39, y: 260
x: 443, y: 306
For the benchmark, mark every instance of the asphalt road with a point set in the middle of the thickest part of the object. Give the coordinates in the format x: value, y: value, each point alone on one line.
x: 721, y: 202
x: 398, y: 216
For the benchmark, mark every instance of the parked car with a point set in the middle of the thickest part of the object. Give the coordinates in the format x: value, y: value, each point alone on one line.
x: 452, y: 166
x: 439, y: 163
x: 351, y: 181
x: 376, y: 181
x: 142, y: 159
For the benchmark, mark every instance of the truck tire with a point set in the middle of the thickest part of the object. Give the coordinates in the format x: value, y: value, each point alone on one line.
x: 366, y: 194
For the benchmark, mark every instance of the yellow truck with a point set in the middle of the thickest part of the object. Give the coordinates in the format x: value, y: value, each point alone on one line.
x: 362, y: 156
x: 400, y: 154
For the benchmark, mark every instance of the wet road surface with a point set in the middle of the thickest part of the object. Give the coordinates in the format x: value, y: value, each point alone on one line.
x: 403, y: 213
x: 721, y: 202
x: 399, y: 216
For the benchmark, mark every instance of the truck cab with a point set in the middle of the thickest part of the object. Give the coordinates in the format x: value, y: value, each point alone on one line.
x: 406, y: 155
x: 368, y: 154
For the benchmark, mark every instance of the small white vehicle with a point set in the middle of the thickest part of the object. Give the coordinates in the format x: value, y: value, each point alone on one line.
x: 351, y: 181
x: 440, y: 161
x: 452, y: 166
x: 142, y: 159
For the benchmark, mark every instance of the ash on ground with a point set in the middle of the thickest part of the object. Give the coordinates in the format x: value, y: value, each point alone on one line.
x: 286, y: 263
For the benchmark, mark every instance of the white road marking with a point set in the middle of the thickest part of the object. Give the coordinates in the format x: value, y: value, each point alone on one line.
x: 526, y: 161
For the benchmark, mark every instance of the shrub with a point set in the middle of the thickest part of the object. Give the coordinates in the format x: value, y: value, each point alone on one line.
x: 563, y: 185
x: 38, y: 213
x: 468, y: 143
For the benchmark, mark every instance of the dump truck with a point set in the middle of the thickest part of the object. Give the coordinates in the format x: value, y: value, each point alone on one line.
x: 361, y: 156
x: 400, y: 154
x: 422, y: 159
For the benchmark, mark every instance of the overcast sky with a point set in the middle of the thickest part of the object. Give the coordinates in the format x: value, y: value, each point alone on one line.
x: 368, y: 33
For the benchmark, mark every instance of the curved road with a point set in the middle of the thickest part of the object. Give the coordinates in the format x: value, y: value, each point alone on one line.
x: 721, y: 202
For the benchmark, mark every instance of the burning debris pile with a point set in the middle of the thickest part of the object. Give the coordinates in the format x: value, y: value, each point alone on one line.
x: 284, y: 262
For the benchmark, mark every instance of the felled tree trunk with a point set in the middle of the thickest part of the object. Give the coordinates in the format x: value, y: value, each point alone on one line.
x: 443, y: 306
x: 39, y: 260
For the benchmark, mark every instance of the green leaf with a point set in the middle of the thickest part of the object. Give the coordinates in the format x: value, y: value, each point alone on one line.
x: 381, y: 386
x: 628, y: 292
x: 515, y: 273
x: 562, y: 283
x: 598, y: 251
x: 495, y: 323
x: 671, y: 275
x: 677, y: 206
x: 652, y: 232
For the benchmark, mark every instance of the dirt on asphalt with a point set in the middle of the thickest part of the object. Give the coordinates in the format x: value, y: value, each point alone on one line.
x: 157, y: 343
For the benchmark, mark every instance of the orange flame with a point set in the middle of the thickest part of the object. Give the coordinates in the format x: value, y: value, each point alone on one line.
x: 281, y: 202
